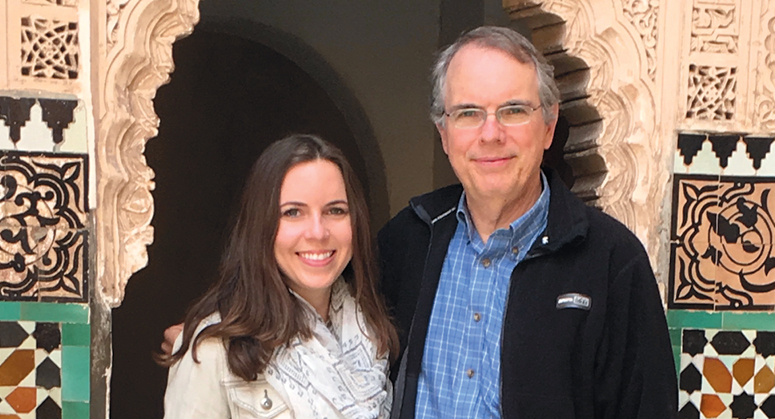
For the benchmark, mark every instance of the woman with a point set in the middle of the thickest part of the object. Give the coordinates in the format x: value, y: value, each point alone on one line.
x: 294, y: 327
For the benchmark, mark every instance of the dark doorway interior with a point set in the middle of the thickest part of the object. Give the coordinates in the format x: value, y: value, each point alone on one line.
x: 228, y: 99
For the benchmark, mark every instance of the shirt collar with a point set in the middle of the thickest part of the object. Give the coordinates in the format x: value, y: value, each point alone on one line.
x: 539, y: 210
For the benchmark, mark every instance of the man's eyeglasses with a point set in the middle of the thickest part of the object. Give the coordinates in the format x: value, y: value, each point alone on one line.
x: 509, y: 115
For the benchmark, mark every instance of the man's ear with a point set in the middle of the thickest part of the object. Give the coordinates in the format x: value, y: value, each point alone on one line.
x: 549, y: 133
x: 443, y: 134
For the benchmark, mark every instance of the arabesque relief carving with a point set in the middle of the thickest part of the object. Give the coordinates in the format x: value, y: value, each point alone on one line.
x: 643, y: 15
x: 765, y: 101
x: 714, y: 27
x: 138, y: 63
x: 612, y: 118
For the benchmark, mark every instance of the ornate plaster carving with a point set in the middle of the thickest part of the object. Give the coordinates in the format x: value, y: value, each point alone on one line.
x: 137, y: 63
x: 715, y: 27
x: 643, y: 15
x: 765, y: 100
x: 616, y: 40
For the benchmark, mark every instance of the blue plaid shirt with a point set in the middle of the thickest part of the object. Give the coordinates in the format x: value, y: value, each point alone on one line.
x: 460, y: 375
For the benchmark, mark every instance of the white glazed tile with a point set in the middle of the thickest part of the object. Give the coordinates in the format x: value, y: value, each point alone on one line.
x: 739, y: 164
x: 35, y: 134
x: 705, y: 162
x: 768, y: 164
x: 75, y: 136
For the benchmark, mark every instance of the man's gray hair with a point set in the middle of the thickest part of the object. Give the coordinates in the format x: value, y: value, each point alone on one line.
x: 509, y: 42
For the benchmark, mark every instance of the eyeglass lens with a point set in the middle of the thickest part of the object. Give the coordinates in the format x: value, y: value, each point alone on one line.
x: 506, y: 115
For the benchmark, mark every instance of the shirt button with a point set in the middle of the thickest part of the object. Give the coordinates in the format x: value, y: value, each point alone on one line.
x: 470, y: 373
x: 545, y: 240
x: 486, y: 262
x: 477, y: 317
x: 515, y: 250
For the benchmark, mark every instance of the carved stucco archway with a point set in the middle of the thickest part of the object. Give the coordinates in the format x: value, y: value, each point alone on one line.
x: 137, y: 55
x: 605, y: 60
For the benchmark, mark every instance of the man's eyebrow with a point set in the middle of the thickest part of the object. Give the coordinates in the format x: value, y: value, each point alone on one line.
x: 475, y: 106
x: 464, y: 106
x: 517, y: 102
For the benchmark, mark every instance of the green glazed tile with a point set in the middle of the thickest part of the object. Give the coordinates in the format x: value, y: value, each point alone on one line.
x: 75, y: 410
x: 677, y: 359
x: 10, y: 310
x: 690, y: 319
x: 676, y: 336
x: 75, y: 373
x: 753, y: 321
x: 55, y: 312
x: 74, y: 334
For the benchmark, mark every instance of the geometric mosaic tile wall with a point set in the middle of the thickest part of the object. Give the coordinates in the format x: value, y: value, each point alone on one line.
x: 727, y: 374
x: 721, y: 293
x: 44, y: 360
x: 44, y: 259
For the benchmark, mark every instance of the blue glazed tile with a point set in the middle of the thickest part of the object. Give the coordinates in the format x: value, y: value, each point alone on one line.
x: 55, y: 312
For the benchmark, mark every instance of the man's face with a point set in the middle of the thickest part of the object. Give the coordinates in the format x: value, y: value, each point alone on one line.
x: 495, y: 161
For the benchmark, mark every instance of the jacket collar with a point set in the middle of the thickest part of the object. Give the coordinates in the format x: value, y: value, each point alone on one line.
x: 567, y: 221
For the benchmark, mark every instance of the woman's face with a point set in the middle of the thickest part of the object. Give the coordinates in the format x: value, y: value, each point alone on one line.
x: 314, y: 237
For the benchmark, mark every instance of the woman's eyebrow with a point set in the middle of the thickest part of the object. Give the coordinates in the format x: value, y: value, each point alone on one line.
x: 296, y: 203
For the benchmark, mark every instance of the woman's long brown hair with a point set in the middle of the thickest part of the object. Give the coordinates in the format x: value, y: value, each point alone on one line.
x: 257, y: 312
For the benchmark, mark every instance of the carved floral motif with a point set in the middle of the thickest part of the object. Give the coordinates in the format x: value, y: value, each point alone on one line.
x: 114, y: 10
x: 765, y: 108
x: 643, y: 14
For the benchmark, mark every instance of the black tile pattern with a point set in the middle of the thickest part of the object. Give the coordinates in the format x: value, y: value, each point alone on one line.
x: 768, y: 407
x: 48, y: 409
x: 743, y: 406
x: 694, y: 341
x: 689, y: 145
x: 15, y: 113
x: 47, y: 336
x: 730, y: 343
x: 690, y: 379
x: 58, y: 114
x: 48, y: 375
x: 11, y: 335
x: 689, y: 411
x: 723, y: 146
x: 723, y: 230
x: 765, y: 343
x: 757, y: 148
x: 43, y: 227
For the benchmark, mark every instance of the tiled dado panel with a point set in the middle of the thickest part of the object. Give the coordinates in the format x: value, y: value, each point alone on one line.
x: 44, y: 360
x: 723, y: 224
x: 726, y: 363
x: 38, y: 124
x: 727, y: 374
x: 43, y: 227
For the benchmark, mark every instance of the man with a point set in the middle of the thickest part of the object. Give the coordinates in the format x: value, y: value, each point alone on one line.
x: 514, y: 299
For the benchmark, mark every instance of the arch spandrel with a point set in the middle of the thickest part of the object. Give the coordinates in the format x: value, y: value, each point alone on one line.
x: 137, y: 61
